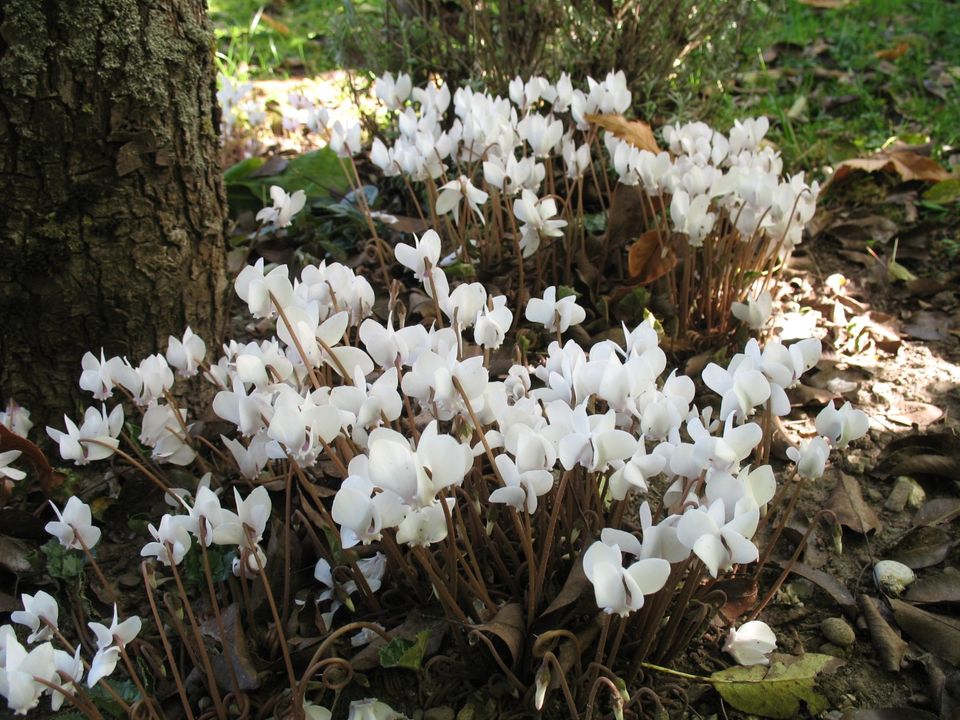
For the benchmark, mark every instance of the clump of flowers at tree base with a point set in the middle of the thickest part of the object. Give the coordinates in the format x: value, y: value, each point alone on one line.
x: 558, y: 524
x: 515, y: 186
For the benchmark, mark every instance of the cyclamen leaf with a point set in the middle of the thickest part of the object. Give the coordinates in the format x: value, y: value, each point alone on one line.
x: 62, y: 563
x: 777, y: 691
x: 405, y: 653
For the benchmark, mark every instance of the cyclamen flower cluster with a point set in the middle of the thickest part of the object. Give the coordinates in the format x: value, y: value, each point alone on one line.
x: 25, y: 676
x: 335, y: 378
x: 702, y: 173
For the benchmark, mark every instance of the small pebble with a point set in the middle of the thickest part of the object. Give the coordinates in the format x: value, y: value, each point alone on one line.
x: 893, y: 577
x: 838, y: 632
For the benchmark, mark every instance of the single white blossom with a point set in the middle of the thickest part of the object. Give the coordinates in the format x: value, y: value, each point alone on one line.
x: 751, y: 643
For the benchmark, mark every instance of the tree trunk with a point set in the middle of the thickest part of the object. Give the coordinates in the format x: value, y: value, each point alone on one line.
x: 112, y: 208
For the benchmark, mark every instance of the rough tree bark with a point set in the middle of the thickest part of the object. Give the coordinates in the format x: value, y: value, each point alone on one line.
x: 112, y: 208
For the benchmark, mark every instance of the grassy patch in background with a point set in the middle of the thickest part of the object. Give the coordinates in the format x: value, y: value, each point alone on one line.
x: 283, y: 38
x: 842, y: 82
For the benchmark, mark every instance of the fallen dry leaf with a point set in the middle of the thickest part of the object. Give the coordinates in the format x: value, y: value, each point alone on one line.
x: 627, y: 216
x: 15, y: 555
x: 235, y: 651
x: 908, y: 165
x: 944, y: 587
x: 49, y: 479
x: 897, y: 51
x: 636, y: 132
x: 741, y: 594
x: 890, y: 646
x: 937, y: 633
x: 847, y: 503
x: 508, y: 626
x: 649, y: 259
x: 934, y: 454
x: 573, y: 588
x: 806, y: 396
x: 922, y: 547
x: 829, y: 584
x: 937, y: 511
x: 928, y: 325
x: 853, y: 232
x: 911, y: 413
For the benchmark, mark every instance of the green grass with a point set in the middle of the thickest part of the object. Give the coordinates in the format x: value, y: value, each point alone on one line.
x: 802, y: 62
x: 279, y: 39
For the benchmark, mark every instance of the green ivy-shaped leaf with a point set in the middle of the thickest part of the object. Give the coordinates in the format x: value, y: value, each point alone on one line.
x: 405, y: 653
x: 62, y: 563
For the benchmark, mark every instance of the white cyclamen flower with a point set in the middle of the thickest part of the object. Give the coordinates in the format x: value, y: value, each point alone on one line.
x: 751, y: 643
x: 521, y: 489
x: 424, y: 254
x: 17, y: 673
x: 186, y: 355
x: 372, y: 709
x: 74, y: 527
x: 755, y: 312
x: 454, y: 192
x: 110, y: 641
x: 171, y: 541
x: 842, y: 426
x: 5, y: 470
x: 40, y: 613
x: 720, y: 544
x: 620, y: 590
x: 16, y: 419
x: 285, y: 206
x: 811, y: 457
x: 95, y: 439
x: 393, y: 93
x: 555, y: 315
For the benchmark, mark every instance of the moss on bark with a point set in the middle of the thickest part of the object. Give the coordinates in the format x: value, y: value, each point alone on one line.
x: 112, y: 207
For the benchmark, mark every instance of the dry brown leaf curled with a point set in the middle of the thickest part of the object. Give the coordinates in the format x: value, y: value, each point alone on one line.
x: 890, y: 646
x: 636, y: 132
x: 908, y: 165
x: 937, y: 633
x: 851, y: 509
